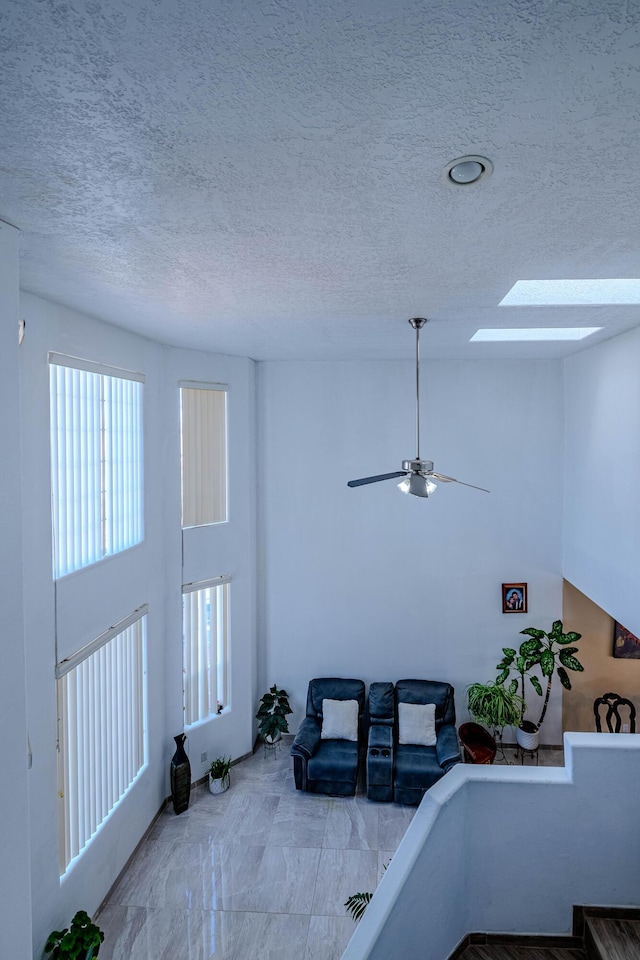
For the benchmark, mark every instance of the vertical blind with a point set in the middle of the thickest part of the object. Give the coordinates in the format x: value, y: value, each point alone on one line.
x: 102, y: 730
x: 204, y: 454
x: 96, y: 462
x: 205, y: 627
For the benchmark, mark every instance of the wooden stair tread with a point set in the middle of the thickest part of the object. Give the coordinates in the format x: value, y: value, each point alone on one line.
x: 615, y: 939
x: 516, y: 951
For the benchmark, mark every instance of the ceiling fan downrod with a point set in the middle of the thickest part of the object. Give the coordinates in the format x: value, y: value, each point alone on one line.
x: 418, y: 323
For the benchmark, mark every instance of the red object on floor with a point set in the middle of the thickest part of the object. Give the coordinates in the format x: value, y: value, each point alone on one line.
x: 477, y: 743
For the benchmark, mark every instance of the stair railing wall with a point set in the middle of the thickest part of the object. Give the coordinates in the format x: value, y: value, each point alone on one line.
x: 502, y: 849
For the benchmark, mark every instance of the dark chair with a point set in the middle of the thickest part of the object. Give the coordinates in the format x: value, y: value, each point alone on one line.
x: 381, y: 716
x: 418, y: 767
x: 327, y: 766
x: 478, y: 746
x: 613, y: 702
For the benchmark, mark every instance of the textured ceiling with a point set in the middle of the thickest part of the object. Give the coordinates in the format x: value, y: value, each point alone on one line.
x: 266, y: 178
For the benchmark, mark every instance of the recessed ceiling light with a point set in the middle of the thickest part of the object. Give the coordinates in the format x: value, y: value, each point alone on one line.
x: 535, y: 333
x: 547, y: 293
x: 467, y: 170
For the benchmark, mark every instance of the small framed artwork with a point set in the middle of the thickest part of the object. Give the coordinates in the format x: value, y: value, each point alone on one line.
x: 514, y: 598
x: 625, y: 644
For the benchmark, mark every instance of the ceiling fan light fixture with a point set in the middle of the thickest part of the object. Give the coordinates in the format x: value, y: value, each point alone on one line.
x: 417, y: 485
x: 467, y: 170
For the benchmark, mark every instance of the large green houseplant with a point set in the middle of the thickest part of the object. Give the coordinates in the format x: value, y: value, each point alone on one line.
x: 272, y: 714
x: 552, y: 653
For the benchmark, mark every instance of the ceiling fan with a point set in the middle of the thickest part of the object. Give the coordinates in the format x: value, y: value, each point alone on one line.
x: 418, y: 474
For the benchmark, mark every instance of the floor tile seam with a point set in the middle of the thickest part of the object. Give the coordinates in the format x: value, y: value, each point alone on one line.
x: 367, y: 849
x: 269, y: 913
x: 313, y: 892
x: 289, y: 844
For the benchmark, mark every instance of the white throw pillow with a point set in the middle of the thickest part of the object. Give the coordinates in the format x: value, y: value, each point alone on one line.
x: 417, y: 724
x: 339, y: 720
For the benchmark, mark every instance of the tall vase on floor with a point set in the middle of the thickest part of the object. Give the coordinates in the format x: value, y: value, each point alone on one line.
x: 180, y: 776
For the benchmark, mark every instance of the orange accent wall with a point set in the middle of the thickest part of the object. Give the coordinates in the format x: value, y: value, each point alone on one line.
x: 602, y: 673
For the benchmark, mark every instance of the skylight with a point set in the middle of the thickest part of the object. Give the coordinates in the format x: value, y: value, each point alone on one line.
x: 535, y: 333
x: 547, y: 293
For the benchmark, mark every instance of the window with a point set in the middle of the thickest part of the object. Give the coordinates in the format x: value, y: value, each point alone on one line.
x: 205, y: 628
x: 101, y: 729
x: 203, y: 409
x: 96, y: 461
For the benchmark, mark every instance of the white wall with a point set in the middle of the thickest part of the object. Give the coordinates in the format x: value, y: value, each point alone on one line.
x: 502, y: 850
x: 15, y: 901
x: 366, y: 582
x: 88, y: 601
x: 602, y: 467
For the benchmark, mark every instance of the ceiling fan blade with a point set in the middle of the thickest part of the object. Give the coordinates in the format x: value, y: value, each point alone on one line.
x: 376, y: 479
x: 441, y: 476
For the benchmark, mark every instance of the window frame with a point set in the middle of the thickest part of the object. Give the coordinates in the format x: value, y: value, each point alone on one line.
x: 91, y: 799
x: 96, y: 443
x: 221, y: 685
x: 216, y: 387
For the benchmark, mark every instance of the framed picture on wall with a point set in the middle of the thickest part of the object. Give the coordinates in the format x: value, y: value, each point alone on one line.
x: 514, y: 598
x: 625, y: 644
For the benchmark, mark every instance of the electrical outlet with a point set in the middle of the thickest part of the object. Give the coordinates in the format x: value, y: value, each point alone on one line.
x: 203, y: 757
x: 625, y: 728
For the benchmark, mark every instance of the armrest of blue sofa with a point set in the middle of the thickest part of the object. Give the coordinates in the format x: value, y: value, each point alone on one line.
x: 307, y: 738
x: 448, y: 747
x: 380, y: 763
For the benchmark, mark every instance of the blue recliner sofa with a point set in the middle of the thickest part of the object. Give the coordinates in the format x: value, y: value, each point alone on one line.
x: 417, y: 767
x: 329, y: 766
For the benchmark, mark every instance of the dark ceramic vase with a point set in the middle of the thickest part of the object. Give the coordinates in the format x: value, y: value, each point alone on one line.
x: 180, y: 776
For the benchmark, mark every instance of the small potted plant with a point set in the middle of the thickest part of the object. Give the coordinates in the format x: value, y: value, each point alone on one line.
x: 272, y: 714
x: 219, y: 778
x: 495, y: 706
x: 82, y: 940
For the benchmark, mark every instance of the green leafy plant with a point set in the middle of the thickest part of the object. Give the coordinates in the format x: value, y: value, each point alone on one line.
x: 272, y: 713
x: 81, y: 941
x: 551, y: 652
x: 219, y: 769
x: 494, y: 705
x: 357, y: 904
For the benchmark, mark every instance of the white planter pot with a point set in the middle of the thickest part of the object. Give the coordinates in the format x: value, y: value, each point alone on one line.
x: 528, y: 740
x: 273, y: 739
x: 219, y: 786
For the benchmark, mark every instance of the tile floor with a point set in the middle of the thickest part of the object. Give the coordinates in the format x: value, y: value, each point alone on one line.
x: 262, y: 870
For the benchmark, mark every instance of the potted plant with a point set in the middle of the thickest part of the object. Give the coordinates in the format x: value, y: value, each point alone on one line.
x: 272, y: 714
x: 79, y: 942
x: 219, y: 778
x: 552, y: 653
x: 494, y: 705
